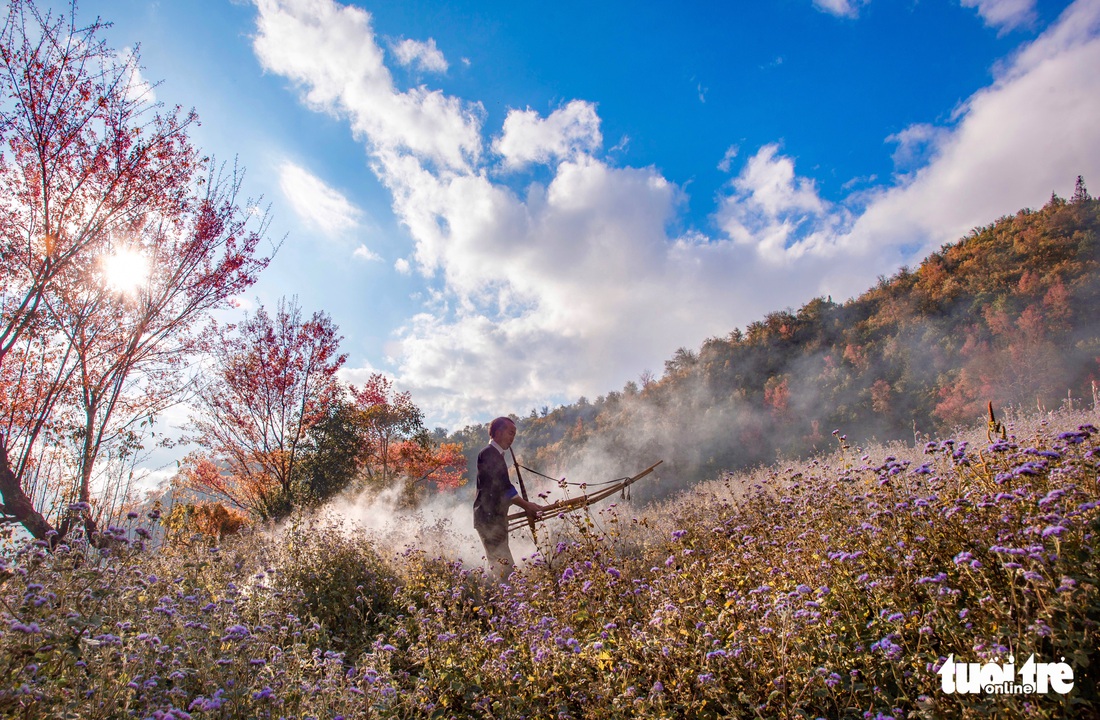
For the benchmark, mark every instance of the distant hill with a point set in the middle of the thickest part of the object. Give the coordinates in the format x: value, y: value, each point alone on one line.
x: 1008, y: 314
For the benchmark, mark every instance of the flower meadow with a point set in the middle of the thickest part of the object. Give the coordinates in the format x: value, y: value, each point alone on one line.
x: 832, y: 587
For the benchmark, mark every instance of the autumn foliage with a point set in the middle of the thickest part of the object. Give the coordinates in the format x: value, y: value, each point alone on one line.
x: 1006, y: 314
x: 94, y: 174
x: 396, y: 444
x: 279, y: 432
x: 211, y: 520
x: 273, y: 379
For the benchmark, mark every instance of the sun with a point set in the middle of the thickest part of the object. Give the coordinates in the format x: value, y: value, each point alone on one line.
x: 125, y: 270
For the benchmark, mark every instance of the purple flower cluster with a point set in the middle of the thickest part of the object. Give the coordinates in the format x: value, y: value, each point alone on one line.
x: 835, y: 584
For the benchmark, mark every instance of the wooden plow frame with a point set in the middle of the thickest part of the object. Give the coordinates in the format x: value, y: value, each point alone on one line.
x: 519, y: 520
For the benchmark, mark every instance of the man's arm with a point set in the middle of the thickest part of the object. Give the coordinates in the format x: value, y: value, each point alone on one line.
x: 527, y: 505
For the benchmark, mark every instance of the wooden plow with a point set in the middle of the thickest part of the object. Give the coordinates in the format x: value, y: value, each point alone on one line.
x: 518, y: 520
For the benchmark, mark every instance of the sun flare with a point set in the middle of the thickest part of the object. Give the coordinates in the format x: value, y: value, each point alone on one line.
x: 125, y: 270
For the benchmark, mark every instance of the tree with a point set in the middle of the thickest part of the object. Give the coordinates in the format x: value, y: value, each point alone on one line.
x: 396, y: 445
x: 129, y: 346
x: 333, y: 454
x: 272, y: 381
x: 390, y: 418
x: 422, y: 460
x: 93, y: 175
x: 682, y: 362
x: 1080, y: 192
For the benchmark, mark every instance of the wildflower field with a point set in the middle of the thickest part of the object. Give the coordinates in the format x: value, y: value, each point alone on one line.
x: 834, y: 587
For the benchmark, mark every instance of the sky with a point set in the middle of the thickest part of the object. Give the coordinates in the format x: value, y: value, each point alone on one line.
x: 510, y: 205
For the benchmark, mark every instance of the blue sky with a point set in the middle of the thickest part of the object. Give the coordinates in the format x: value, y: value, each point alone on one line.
x: 506, y: 205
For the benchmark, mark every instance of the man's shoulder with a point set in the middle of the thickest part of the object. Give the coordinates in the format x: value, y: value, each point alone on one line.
x: 489, y: 453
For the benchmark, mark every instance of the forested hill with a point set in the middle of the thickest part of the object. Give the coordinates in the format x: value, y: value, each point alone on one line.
x: 1008, y: 314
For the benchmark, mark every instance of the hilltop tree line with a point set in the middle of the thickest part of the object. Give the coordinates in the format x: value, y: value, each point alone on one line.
x: 1005, y: 315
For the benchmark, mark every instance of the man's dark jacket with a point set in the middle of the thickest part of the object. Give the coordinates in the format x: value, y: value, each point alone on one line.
x: 494, y: 490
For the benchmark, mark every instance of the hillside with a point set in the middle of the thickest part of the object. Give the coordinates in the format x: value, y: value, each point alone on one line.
x: 1005, y: 315
x: 837, y: 588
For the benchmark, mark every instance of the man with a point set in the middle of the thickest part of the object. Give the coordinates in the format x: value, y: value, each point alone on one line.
x: 495, y: 494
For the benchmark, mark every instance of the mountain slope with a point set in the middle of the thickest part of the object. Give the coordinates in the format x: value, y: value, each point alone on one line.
x: 1006, y: 315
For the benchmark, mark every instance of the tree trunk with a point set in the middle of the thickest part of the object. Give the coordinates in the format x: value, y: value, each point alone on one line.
x: 16, y: 503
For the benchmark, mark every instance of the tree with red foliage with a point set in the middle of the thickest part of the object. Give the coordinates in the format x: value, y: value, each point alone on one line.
x: 273, y: 380
x: 443, y: 464
x: 390, y: 418
x: 777, y: 396
x: 92, y: 170
x: 396, y: 446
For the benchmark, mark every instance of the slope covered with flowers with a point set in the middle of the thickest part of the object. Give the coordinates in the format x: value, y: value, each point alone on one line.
x: 830, y: 588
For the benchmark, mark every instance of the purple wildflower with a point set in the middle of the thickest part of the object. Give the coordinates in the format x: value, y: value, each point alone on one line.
x: 236, y: 632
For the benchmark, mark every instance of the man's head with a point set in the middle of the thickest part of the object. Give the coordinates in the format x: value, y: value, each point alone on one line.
x: 503, y: 430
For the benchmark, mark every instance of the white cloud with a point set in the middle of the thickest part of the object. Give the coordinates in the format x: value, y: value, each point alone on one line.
x: 566, y: 133
x: 424, y: 55
x: 402, y: 266
x: 840, y: 8
x: 149, y: 480
x: 916, y: 145
x: 1030, y: 132
x: 364, y: 253
x: 571, y: 287
x: 1004, y: 14
x: 315, y: 202
x: 137, y: 87
x: 356, y: 375
x: 331, y: 52
x: 727, y: 159
x: 773, y: 209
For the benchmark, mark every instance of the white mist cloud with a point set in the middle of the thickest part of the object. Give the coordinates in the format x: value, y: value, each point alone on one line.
x: 424, y: 55
x: 319, y: 205
x: 571, y: 286
x: 442, y: 526
x: 1004, y: 14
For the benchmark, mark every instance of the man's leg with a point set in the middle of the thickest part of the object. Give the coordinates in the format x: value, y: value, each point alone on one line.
x: 497, y: 552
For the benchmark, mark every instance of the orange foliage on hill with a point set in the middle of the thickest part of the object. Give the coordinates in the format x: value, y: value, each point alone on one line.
x: 1006, y: 314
